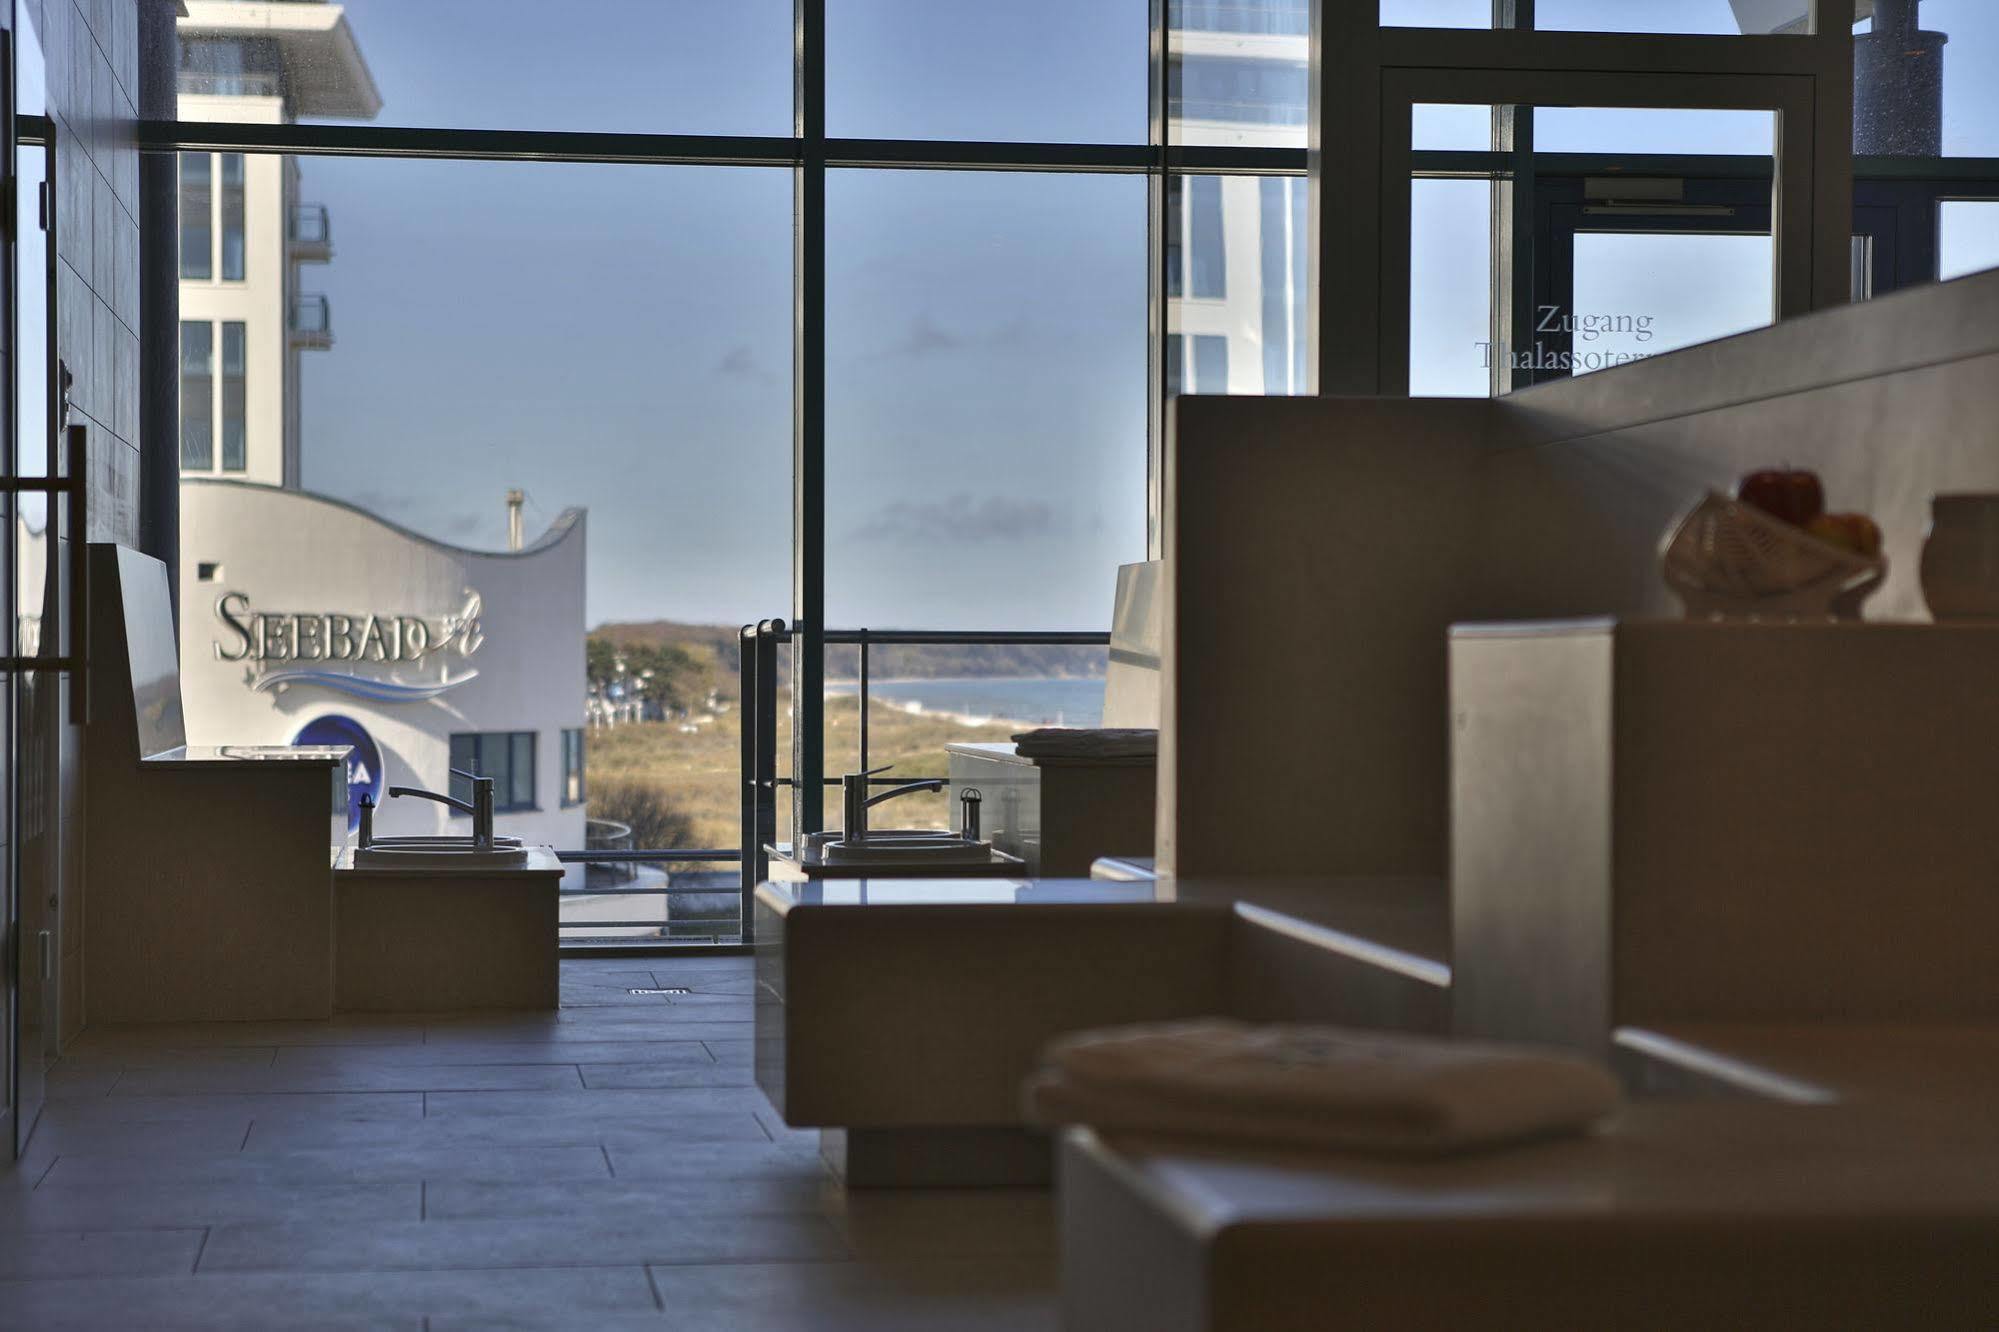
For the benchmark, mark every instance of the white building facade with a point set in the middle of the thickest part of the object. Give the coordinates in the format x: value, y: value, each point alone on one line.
x: 308, y: 620
x: 1238, y: 77
x: 305, y: 619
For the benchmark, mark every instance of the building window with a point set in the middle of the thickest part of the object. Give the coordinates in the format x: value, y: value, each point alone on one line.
x: 235, y: 399
x: 232, y: 217
x: 197, y: 396
x: 1211, y: 365
x: 572, y: 767
x: 197, y: 222
x: 505, y: 756
x: 1207, y: 260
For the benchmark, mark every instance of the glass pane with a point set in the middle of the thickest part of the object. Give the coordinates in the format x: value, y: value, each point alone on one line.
x: 520, y: 770
x: 1450, y: 288
x: 1639, y: 294
x: 1238, y: 72
x: 197, y: 216
x: 1722, y: 17
x: 1235, y: 264
x: 235, y: 399
x: 615, y: 65
x: 1436, y: 13
x: 986, y: 406
x: 464, y: 758
x: 232, y: 217
x: 197, y: 396
x: 1719, y: 17
x: 31, y: 399
x: 1450, y: 127
x: 612, y: 341
x: 922, y: 699
x: 1922, y: 79
x: 1617, y: 129
x: 1968, y: 239
x: 1040, y: 70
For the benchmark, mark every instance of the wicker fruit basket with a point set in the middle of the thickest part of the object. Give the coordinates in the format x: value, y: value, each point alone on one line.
x: 1730, y: 559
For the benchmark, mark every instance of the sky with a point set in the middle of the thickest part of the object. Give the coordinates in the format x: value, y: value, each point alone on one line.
x: 618, y: 337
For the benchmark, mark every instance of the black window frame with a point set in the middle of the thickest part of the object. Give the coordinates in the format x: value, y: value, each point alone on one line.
x: 507, y: 786
x: 575, y: 768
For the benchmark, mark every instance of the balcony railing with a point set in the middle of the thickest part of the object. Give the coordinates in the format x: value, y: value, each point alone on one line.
x: 311, y: 323
x: 309, y: 232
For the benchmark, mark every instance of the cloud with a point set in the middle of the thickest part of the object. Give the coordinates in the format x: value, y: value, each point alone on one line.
x: 958, y: 519
x: 381, y: 501
x: 465, y: 524
x: 926, y: 337
x: 740, y: 362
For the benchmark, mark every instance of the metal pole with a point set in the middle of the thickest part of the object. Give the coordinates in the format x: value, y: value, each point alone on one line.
x: 750, y: 725
x: 863, y: 695
x: 808, y: 455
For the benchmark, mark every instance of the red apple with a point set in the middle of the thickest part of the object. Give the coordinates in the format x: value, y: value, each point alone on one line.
x: 1790, y: 494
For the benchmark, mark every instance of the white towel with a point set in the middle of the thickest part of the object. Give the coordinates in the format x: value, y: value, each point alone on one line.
x: 1079, y: 742
x: 1313, y: 1086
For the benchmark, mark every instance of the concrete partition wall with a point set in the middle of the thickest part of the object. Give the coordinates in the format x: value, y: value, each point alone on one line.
x: 1318, y: 550
x: 1315, y: 551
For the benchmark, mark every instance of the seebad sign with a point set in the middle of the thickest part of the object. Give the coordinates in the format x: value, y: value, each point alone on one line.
x: 324, y: 647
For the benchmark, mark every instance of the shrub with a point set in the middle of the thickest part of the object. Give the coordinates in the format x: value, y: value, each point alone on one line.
x: 657, y: 823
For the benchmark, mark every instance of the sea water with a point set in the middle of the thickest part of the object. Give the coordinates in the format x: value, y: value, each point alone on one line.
x: 1031, y: 702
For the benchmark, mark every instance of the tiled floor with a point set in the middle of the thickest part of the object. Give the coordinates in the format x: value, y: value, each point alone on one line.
x: 608, y: 1166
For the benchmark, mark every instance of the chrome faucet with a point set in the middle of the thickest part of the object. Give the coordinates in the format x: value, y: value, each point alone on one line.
x: 855, y: 800
x: 481, y: 808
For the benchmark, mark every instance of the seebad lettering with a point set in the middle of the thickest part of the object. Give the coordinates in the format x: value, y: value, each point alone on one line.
x: 254, y: 635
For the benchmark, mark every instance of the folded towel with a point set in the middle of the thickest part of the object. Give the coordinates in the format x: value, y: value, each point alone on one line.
x: 1077, y: 742
x: 1312, y: 1086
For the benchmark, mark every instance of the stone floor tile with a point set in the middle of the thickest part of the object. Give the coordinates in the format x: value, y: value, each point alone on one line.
x: 804, y: 1191
x: 530, y: 1297
x: 98, y: 1041
x: 78, y: 1056
x: 522, y: 1130
x: 39, y: 1256
x: 708, y: 1073
x: 599, y: 1104
x: 380, y: 1162
x: 67, y: 1083
x: 66, y: 1201
x: 662, y: 1160
x: 410, y: 1076
x: 200, y: 1107
x: 325, y: 1059
x: 985, y: 1296
x: 667, y: 1238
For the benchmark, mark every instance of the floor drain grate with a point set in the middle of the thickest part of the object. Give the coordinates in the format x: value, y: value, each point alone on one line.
x: 664, y: 989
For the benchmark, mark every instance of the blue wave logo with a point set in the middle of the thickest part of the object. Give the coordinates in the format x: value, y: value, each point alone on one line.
x: 377, y: 691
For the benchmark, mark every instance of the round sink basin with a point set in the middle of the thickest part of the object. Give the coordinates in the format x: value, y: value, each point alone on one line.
x: 906, y: 846
x: 440, y: 853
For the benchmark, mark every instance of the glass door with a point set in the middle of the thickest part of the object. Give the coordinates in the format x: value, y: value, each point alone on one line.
x: 31, y: 704
x: 1630, y: 277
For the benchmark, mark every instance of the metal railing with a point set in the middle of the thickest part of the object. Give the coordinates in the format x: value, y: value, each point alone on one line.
x: 759, y: 675
x: 309, y: 227
x: 759, y: 644
x: 311, y: 321
x: 692, y: 930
